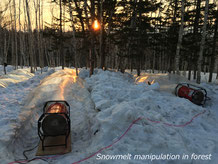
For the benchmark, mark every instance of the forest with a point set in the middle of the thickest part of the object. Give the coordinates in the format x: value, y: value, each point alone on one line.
x: 164, y: 35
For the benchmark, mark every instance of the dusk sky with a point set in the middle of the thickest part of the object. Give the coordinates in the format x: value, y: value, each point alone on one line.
x: 48, y: 8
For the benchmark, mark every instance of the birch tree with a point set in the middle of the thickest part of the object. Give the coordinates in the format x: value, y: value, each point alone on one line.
x: 37, y: 24
x: 200, y: 58
x: 213, y: 58
x: 177, y: 57
x: 30, y: 38
x: 15, y: 34
x: 21, y: 39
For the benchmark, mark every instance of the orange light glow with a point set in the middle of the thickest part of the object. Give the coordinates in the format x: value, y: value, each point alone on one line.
x: 96, y: 25
x: 2, y: 85
x: 62, y: 87
x: 153, y: 81
x: 57, y: 108
x: 70, y: 76
x: 141, y: 79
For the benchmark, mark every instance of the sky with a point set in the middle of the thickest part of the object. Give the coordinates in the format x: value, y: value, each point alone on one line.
x: 47, y: 8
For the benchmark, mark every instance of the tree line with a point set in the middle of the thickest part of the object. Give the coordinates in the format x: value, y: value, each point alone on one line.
x: 165, y: 35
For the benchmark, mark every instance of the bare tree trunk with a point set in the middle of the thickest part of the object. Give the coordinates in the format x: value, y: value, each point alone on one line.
x: 101, y: 52
x: 177, y: 57
x: 25, y: 43
x: 92, y: 47
x: 6, y: 47
x: 15, y: 35
x: 213, y: 58
x: 196, y: 25
x: 153, y: 64
x: 20, y: 39
x: 202, y: 43
x: 74, y: 38
x: 30, y: 38
x: 62, y: 54
x: 12, y: 38
x: 37, y: 24
x: 41, y: 50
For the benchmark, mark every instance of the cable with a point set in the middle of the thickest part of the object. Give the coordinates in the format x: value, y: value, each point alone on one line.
x: 22, y: 161
x: 113, y: 143
x: 27, y: 160
x: 130, y: 126
x: 28, y: 151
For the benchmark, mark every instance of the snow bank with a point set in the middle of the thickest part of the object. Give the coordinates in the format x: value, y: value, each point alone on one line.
x: 11, y: 103
x: 15, y: 76
x: 9, y: 68
x: 120, y: 101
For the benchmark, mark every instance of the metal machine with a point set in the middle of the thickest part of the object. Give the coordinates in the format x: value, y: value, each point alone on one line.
x: 54, y: 122
x: 195, y: 94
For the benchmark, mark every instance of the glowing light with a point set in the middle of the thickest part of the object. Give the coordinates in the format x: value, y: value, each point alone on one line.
x: 69, y: 76
x: 141, y: 79
x: 144, y: 79
x: 153, y: 81
x: 2, y: 85
x: 57, y: 108
x: 96, y: 25
x: 62, y: 87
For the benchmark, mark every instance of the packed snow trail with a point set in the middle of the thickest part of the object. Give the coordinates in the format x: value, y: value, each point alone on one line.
x: 62, y: 85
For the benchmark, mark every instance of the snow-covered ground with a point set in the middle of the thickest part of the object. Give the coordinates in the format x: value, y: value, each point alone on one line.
x: 11, y: 104
x: 120, y: 101
x: 9, y: 68
x: 102, y: 108
x: 15, y: 76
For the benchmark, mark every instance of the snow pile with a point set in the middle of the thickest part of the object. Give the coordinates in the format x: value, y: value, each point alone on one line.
x: 15, y: 76
x: 11, y: 104
x: 120, y: 101
x: 9, y: 68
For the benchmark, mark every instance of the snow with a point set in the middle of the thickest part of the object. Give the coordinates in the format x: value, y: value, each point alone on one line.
x: 103, y: 106
x: 204, y: 77
x: 62, y: 85
x: 9, y: 68
x: 15, y: 76
x: 11, y: 103
x: 120, y: 101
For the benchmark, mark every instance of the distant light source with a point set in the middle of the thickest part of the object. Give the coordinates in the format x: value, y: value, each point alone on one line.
x: 96, y: 25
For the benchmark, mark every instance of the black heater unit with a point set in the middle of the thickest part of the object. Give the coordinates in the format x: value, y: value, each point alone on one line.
x: 54, y: 122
